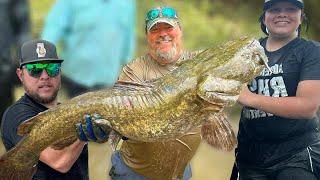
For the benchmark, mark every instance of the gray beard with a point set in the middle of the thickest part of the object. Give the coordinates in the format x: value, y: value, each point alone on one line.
x: 40, y: 99
x: 166, y: 57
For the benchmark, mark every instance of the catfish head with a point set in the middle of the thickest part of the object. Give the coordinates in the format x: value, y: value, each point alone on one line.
x: 241, y: 60
x: 224, y: 70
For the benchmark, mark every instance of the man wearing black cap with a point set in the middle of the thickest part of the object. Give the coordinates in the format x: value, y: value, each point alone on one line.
x: 40, y: 74
x: 279, y: 137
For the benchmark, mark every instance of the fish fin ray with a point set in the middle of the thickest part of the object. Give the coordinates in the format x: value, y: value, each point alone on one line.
x: 218, y: 133
x: 25, y: 127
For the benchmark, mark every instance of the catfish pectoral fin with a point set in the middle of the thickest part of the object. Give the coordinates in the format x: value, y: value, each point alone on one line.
x: 218, y: 133
x: 25, y: 127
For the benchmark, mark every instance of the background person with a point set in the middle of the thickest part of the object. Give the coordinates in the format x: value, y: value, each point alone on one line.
x: 15, y: 29
x: 40, y: 75
x: 279, y: 135
x: 97, y: 38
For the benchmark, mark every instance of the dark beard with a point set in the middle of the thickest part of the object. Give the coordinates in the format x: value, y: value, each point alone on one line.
x: 42, y: 100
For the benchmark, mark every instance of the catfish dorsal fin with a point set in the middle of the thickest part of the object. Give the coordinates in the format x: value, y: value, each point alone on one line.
x: 25, y: 127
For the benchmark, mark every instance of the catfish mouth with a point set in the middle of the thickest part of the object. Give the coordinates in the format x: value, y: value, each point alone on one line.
x: 223, y: 99
x: 222, y: 94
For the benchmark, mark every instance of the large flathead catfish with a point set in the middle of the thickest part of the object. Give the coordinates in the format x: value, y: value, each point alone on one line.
x: 163, y: 109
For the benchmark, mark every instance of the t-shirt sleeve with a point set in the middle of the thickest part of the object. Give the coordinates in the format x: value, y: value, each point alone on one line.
x: 11, y: 121
x: 310, y: 64
x: 133, y: 72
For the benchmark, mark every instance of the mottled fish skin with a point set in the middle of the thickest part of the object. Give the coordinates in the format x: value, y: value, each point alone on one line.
x: 162, y: 109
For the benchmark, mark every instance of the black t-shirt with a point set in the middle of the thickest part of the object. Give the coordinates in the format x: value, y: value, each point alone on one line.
x: 264, y: 138
x: 22, y: 110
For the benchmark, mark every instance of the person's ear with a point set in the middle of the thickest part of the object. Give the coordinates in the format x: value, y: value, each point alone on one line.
x: 303, y: 17
x: 263, y: 20
x: 19, y: 73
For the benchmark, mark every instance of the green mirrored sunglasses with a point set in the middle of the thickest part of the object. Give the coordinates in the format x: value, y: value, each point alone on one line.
x: 35, y: 70
x: 167, y: 12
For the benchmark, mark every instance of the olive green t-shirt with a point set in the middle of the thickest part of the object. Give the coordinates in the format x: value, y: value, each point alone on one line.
x: 157, y: 160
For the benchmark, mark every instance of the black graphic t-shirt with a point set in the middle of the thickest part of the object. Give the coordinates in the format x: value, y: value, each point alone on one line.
x: 265, y: 138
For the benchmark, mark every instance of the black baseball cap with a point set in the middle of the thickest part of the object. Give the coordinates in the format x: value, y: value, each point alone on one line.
x: 38, y: 51
x: 269, y: 3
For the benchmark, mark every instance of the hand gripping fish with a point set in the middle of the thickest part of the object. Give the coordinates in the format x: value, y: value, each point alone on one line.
x: 166, y: 108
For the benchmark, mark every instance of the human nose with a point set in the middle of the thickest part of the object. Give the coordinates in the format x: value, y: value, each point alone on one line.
x: 44, y: 75
x: 163, y: 32
x: 282, y: 13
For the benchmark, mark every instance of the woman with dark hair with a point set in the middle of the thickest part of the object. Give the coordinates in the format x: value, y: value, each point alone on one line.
x: 278, y: 136
x: 299, y: 4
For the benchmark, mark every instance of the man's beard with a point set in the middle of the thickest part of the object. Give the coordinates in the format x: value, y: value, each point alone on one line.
x: 42, y: 100
x: 166, y: 57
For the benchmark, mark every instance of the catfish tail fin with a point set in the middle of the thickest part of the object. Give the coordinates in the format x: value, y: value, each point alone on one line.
x: 18, y: 164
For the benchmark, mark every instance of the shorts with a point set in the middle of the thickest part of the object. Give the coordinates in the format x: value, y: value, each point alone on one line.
x: 300, y: 166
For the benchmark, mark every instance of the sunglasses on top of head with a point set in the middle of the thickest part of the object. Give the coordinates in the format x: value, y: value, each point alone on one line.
x: 167, y: 12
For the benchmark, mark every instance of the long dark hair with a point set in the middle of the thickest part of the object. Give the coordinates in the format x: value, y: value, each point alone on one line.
x: 304, y: 21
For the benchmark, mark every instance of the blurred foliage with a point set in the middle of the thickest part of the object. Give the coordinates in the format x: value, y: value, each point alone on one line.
x: 38, y: 12
x: 205, y: 22
x: 311, y: 10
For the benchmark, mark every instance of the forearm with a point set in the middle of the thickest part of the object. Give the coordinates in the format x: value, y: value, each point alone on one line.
x: 290, y: 107
x: 62, y: 160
